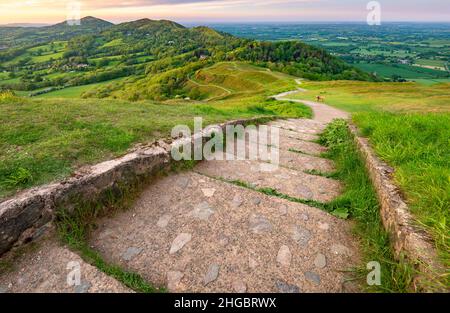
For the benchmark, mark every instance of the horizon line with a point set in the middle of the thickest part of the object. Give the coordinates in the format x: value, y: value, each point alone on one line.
x: 236, y: 22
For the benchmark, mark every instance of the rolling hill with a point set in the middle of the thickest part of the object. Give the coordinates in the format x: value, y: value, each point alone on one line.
x: 159, y: 57
x: 19, y: 37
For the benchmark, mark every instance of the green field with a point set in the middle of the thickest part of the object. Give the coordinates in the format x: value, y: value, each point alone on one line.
x: 409, y: 126
x: 75, y: 92
x: 405, y: 71
x: 114, y: 43
x: 429, y: 62
x: 41, y: 53
x: 387, y: 52
x: 354, y: 96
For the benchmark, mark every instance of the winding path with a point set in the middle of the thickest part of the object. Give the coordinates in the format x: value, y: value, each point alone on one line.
x: 227, y: 91
x: 199, y: 231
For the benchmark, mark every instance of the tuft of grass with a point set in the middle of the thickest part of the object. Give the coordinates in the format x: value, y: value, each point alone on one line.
x: 21, y: 176
x: 300, y: 152
x: 360, y: 202
x: 322, y: 174
x: 338, y: 212
x: 8, y: 95
x: 283, y: 109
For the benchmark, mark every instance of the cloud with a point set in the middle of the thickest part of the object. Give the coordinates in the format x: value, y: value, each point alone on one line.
x: 222, y: 10
x: 139, y: 3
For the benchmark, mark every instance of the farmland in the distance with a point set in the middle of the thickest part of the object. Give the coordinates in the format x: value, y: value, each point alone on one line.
x: 397, y: 51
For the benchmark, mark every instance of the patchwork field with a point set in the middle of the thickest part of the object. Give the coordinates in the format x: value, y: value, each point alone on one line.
x: 406, y: 71
x: 77, y: 91
x: 40, y: 54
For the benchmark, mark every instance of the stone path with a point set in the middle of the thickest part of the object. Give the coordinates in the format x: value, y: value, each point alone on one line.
x: 197, y: 232
x: 194, y: 232
x: 47, y: 268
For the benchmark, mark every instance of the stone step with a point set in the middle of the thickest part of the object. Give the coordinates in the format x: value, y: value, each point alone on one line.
x: 297, y: 135
x: 258, y: 174
x: 192, y: 233
x: 303, y: 162
x: 287, y: 143
x: 47, y: 267
x: 303, y: 126
x: 293, y: 153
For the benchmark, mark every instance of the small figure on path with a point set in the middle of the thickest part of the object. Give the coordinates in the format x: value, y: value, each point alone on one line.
x: 320, y: 99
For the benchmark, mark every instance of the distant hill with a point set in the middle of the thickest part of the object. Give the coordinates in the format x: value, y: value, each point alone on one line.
x: 159, y: 56
x: 24, y: 25
x: 27, y: 36
x: 86, y: 23
x: 146, y: 24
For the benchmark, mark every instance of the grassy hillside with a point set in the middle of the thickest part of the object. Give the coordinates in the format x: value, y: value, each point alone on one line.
x: 222, y: 80
x: 15, y: 37
x: 408, y: 125
x: 160, y: 56
x: 356, y: 96
x: 43, y: 139
x: 232, y: 78
x: 406, y: 71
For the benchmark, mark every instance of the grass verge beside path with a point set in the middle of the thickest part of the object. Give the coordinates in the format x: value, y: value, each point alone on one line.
x: 354, y: 96
x: 360, y: 202
x: 418, y: 147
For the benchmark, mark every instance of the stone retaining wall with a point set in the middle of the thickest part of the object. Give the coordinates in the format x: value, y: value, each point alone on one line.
x: 407, y: 239
x: 28, y: 215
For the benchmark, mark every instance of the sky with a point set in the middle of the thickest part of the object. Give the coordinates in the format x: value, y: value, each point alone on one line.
x: 210, y: 11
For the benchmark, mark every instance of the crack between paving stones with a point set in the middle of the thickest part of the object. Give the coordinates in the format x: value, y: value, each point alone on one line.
x: 271, y: 192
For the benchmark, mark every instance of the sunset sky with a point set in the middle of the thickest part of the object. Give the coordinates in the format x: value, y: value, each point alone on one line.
x: 51, y: 11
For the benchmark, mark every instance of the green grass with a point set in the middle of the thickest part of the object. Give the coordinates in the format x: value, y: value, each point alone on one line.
x: 42, y: 140
x: 275, y: 193
x: 75, y: 92
x: 360, y: 202
x: 354, y: 96
x: 405, y: 71
x: 429, y: 62
x: 47, y: 57
x: 47, y: 53
x: 113, y: 43
x: 418, y: 147
x: 10, y: 81
x: 389, y: 53
x: 430, y: 82
x: 235, y: 78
